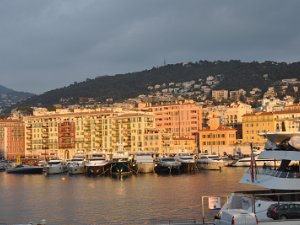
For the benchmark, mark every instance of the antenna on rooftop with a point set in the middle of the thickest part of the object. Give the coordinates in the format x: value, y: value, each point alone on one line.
x: 165, y: 63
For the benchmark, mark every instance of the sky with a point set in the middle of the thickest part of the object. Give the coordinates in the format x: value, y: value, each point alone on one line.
x: 46, y: 45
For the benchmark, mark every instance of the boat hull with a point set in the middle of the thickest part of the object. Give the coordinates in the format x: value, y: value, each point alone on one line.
x: 25, y: 170
x: 210, y: 165
x: 121, y: 168
x: 188, y: 167
x: 95, y: 170
x: 162, y: 169
x: 55, y: 170
x: 73, y: 170
x: 145, y: 167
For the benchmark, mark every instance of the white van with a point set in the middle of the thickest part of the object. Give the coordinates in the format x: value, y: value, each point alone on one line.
x: 235, y: 217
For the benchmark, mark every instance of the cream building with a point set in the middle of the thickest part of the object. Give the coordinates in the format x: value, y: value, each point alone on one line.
x: 64, y: 133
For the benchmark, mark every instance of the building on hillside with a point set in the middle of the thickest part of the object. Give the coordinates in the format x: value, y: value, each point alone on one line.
x: 219, y: 95
x: 232, y: 116
x: 295, y: 106
x: 218, y: 140
x: 12, y: 139
x: 181, y: 120
x: 237, y: 94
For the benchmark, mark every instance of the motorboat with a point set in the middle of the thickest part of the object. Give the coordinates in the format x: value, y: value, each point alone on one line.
x: 76, y: 165
x: 121, y: 164
x: 246, y: 161
x: 210, y: 162
x: 25, y: 169
x: 188, y: 162
x: 167, y: 165
x: 55, y: 166
x: 144, y: 162
x: 279, y: 184
x: 97, y: 164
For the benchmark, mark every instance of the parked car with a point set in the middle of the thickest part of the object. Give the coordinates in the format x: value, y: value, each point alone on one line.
x: 236, y: 217
x: 284, y: 211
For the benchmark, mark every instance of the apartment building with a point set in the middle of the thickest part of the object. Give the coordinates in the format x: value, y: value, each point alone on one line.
x: 254, y: 124
x: 258, y: 123
x: 219, y: 95
x: 64, y: 133
x: 132, y: 131
x: 217, y: 140
x: 182, y: 119
x: 12, y: 139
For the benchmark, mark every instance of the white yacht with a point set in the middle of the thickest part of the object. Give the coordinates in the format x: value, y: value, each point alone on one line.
x: 144, y: 162
x: 246, y: 161
x: 97, y: 164
x: 210, y: 162
x: 167, y: 165
x: 55, y: 166
x: 76, y: 165
x: 281, y: 183
x: 188, y: 162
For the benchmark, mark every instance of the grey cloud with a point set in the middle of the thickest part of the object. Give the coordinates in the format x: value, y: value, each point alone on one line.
x: 49, y: 44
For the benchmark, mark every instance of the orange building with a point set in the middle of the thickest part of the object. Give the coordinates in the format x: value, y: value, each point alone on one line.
x: 217, y: 141
x: 183, y: 119
x: 12, y: 139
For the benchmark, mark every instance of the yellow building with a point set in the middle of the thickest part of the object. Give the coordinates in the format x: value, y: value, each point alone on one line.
x: 287, y: 120
x: 258, y: 123
x: 64, y: 133
x: 255, y: 124
x: 217, y: 140
x: 129, y: 130
x: 182, y: 145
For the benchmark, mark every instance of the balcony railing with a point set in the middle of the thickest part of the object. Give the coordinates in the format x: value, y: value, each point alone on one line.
x: 276, y: 173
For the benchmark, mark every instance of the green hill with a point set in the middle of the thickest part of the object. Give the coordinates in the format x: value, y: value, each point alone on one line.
x: 236, y: 75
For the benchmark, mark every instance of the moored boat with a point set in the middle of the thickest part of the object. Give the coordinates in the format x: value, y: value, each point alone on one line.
x: 25, y: 169
x: 121, y: 164
x: 76, y: 165
x: 97, y: 164
x: 167, y: 165
x: 144, y: 162
x: 281, y: 182
x: 188, y: 162
x: 55, y: 166
x: 210, y: 162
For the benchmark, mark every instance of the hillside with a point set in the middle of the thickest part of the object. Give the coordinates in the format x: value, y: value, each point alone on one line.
x: 9, y: 97
x: 236, y: 74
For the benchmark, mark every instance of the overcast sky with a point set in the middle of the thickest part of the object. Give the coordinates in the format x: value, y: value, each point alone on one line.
x: 50, y: 44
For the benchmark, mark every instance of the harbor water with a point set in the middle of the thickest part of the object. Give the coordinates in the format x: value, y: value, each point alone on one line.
x: 141, y: 199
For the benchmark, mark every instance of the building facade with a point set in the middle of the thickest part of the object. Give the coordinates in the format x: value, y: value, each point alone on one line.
x: 12, y: 139
x: 181, y: 120
x: 217, y: 141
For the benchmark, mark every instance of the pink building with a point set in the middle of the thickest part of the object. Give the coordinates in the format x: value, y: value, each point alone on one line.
x: 182, y: 119
x: 12, y: 142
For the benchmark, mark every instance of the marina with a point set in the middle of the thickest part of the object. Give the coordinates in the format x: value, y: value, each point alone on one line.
x: 145, y: 198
